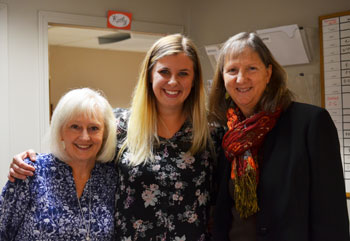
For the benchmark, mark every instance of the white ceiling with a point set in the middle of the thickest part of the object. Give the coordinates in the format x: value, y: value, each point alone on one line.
x: 88, y: 38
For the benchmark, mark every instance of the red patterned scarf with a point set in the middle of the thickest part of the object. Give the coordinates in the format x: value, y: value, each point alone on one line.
x: 241, y: 144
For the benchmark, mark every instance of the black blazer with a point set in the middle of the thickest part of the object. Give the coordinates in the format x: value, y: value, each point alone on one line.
x: 301, y: 191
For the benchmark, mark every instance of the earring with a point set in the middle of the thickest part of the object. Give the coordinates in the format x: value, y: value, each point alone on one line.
x: 227, y: 95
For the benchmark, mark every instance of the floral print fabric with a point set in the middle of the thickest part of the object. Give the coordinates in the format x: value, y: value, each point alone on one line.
x: 167, y: 199
x: 45, y: 206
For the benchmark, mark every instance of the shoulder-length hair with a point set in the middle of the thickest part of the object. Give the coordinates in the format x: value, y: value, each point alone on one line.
x: 89, y: 103
x: 142, y: 126
x: 276, y: 92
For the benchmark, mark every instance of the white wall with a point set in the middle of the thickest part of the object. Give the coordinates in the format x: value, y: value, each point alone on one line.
x: 214, y: 22
x: 4, y: 119
x: 23, y: 60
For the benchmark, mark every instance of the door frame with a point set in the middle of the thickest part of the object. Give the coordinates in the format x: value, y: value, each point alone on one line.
x: 4, y: 95
x: 45, y: 18
x: 4, y: 85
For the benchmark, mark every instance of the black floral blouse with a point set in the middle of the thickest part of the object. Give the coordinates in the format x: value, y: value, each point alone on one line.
x: 168, y: 199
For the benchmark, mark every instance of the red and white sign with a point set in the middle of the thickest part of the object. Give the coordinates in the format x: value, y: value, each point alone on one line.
x: 120, y: 20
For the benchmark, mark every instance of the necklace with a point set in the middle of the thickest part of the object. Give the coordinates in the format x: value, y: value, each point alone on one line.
x: 86, y: 223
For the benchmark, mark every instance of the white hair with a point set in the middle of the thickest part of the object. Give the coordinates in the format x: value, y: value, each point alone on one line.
x: 90, y: 103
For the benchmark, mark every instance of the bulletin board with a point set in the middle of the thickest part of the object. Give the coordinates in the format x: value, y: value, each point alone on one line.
x: 335, y: 79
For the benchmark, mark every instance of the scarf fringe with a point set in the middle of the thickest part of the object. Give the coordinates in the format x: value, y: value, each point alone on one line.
x: 241, y: 144
x: 246, y: 201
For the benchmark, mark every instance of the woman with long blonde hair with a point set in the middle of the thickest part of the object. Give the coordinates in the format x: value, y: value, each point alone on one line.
x: 165, y: 160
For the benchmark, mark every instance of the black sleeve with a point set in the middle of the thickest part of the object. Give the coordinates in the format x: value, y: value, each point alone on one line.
x: 223, y: 204
x: 328, y: 208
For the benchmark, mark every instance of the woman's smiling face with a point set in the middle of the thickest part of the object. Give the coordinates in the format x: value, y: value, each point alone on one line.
x: 246, y: 77
x: 172, y: 81
x: 83, y: 137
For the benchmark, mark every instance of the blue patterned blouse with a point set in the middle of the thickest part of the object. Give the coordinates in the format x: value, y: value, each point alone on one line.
x: 45, y: 206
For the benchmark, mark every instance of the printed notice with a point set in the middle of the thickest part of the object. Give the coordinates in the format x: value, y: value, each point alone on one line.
x: 336, y: 72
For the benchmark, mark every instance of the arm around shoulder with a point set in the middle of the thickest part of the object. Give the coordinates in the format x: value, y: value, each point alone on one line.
x: 19, y: 169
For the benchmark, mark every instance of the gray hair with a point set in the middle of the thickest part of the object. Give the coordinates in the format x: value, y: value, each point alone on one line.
x: 90, y: 103
x: 276, y: 92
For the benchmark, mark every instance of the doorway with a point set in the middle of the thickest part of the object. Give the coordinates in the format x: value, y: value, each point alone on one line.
x: 47, y: 19
x: 81, y: 57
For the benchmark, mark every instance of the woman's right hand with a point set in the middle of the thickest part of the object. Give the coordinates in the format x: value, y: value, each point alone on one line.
x: 19, y: 169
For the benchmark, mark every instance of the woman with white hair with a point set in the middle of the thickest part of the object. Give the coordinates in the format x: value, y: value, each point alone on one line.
x: 165, y: 151
x: 71, y: 195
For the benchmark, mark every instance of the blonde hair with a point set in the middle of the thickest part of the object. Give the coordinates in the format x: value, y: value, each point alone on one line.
x: 86, y: 102
x: 142, y: 126
x: 276, y: 92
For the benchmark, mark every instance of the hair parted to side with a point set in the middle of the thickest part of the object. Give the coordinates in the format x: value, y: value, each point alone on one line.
x: 276, y: 92
x: 90, y: 103
x: 142, y: 127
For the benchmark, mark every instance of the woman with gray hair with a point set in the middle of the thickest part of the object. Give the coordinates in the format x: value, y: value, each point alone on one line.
x: 71, y: 195
x: 281, y: 172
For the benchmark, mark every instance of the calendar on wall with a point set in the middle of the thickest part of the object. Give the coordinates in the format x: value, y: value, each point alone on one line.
x: 335, y: 79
